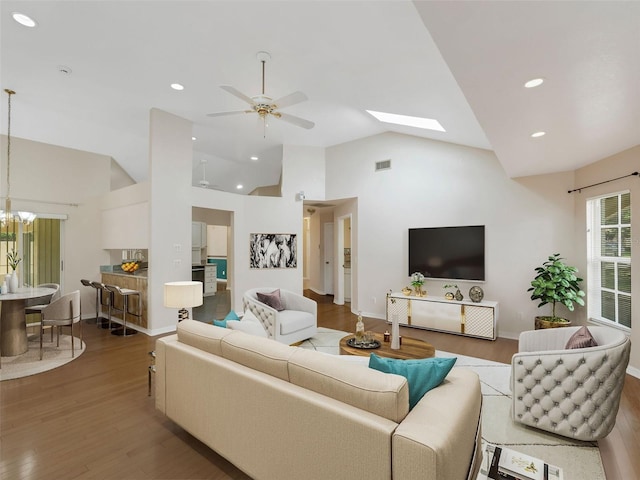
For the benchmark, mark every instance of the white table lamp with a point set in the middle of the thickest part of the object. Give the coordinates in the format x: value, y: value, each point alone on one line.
x: 182, y: 295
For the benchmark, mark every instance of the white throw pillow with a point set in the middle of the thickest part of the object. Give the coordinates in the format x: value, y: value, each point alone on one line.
x: 249, y: 324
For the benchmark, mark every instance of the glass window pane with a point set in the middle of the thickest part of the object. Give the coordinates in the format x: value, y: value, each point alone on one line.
x: 624, y: 278
x: 607, y: 275
x: 609, y: 242
x: 609, y: 211
x: 608, y: 306
x: 625, y: 244
x: 625, y: 205
x: 624, y: 310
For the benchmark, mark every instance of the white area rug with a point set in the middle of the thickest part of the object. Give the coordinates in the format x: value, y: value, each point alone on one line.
x: 578, y: 460
x: 30, y: 364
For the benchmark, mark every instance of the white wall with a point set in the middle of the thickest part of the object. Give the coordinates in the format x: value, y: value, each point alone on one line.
x: 615, y: 166
x: 434, y: 183
x: 303, y: 169
x: 170, y: 154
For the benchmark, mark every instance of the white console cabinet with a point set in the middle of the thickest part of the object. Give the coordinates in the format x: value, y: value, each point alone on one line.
x: 451, y: 316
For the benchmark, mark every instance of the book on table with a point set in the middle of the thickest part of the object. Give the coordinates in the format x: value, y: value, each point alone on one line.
x: 507, y: 464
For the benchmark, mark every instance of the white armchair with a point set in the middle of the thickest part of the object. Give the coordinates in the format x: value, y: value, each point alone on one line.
x: 298, y: 321
x: 574, y: 393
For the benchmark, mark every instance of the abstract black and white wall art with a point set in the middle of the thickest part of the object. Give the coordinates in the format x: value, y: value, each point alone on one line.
x: 273, y: 250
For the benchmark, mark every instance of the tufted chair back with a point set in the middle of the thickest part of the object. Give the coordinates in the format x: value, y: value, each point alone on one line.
x: 573, y: 393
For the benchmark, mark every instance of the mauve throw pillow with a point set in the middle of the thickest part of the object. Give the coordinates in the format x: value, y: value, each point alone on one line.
x: 582, y: 338
x: 272, y: 299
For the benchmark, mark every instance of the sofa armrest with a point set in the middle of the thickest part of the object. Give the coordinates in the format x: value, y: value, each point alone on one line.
x: 264, y: 313
x: 161, y: 365
x: 438, y: 439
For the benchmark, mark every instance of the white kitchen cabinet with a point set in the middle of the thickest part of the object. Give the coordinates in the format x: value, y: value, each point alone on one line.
x: 198, y: 235
x: 210, y: 280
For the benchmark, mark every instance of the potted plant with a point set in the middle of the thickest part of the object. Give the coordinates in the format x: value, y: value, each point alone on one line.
x: 555, y: 282
x: 417, y: 280
x: 13, y: 260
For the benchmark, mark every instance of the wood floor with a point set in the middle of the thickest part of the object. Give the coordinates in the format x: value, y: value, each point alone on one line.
x: 92, y: 418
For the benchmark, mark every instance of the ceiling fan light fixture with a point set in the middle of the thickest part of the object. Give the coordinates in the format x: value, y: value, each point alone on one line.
x: 408, y: 121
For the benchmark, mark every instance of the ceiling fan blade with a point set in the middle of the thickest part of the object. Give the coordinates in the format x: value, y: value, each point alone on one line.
x: 291, y: 99
x: 237, y: 93
x: 300, y: 122
x: 222, y: 114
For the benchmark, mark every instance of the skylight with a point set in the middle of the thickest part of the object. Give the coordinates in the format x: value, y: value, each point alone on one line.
x: 417, y: 122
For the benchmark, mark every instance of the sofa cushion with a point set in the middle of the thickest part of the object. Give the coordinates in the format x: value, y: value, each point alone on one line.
x: 272, y: 299
x: 422, y: 374
x: 232, y: 315
x: 220, y: 323
x: 261, y: 354
x: 582, y: 338
x: 359, y: 386
x: 292, y: 321
x: 249, y: 324
x: 202, y: 335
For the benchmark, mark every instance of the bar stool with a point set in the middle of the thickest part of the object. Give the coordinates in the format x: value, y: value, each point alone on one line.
x: 101, y: 294
x: 125, y: 293
x: 87, y: 283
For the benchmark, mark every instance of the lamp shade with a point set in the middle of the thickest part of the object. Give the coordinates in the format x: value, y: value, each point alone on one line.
x: 182, y: 294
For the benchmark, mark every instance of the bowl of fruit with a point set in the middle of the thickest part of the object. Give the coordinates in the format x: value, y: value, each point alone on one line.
x: 130, y: 266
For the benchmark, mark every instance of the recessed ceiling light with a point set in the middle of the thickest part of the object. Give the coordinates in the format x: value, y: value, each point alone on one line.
x: 418, y: 122
x: 239, y: 186
x: 23, y: 19
x: 193, y: 138
x: 254, y: 158
x: 538, y: 134
x: 177, y: 86
x: 534, y: 82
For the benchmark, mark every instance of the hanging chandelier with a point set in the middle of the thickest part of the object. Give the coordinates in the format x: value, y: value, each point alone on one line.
x: 7, y: 215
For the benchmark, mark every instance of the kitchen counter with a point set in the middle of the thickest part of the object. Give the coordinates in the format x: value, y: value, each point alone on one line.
x: 137, y: 281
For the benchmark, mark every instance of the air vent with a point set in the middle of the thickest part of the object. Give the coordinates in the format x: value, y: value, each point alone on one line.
x: 383, y: 165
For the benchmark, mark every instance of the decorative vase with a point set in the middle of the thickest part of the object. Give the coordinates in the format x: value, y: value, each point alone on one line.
x: 359, y: 328
x: 543, y: 322
x: 395, y: 332
x: 476, y: 294
x: 13, y: 283
x: 458, y: 296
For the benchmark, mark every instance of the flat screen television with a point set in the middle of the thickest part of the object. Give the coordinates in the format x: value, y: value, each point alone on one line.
x: 452, y: 253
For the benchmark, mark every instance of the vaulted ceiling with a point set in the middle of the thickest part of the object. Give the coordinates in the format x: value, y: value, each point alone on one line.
x: 87, y: 75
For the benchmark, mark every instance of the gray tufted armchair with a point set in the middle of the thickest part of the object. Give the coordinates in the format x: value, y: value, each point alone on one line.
x: 297, y: 322
x: 573, y: 393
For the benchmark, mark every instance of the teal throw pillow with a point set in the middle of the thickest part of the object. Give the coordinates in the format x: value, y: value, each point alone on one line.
x: 422, y: 374
x: 232, y: 316
x: 220, y: 323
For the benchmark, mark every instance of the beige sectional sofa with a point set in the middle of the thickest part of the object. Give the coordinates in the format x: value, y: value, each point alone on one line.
x: 281, y: 412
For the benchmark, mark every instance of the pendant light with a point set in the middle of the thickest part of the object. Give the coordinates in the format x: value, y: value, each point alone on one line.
x: 7, y: 215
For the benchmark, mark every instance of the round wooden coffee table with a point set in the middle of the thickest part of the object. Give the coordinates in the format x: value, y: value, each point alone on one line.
x: 410, y: 348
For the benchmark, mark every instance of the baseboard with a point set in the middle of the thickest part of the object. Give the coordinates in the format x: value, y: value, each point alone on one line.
x: 633, y: 371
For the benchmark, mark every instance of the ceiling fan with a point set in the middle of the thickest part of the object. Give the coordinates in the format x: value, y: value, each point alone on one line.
x: 264, y: 105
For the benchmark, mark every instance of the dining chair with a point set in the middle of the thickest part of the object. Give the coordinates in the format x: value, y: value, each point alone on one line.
x: 35, y: 306
x: 65, y: 311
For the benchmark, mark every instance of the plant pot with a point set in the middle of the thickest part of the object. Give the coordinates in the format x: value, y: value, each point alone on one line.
x: 544, y: 322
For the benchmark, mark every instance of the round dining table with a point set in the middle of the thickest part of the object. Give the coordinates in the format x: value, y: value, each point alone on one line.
x: 13, y: 321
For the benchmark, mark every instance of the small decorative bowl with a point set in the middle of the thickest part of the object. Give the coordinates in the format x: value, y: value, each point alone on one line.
x: 406, y: 291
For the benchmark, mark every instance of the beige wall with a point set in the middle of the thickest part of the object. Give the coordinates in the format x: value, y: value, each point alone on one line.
x: 63, y: 181
x: 615, y: 166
